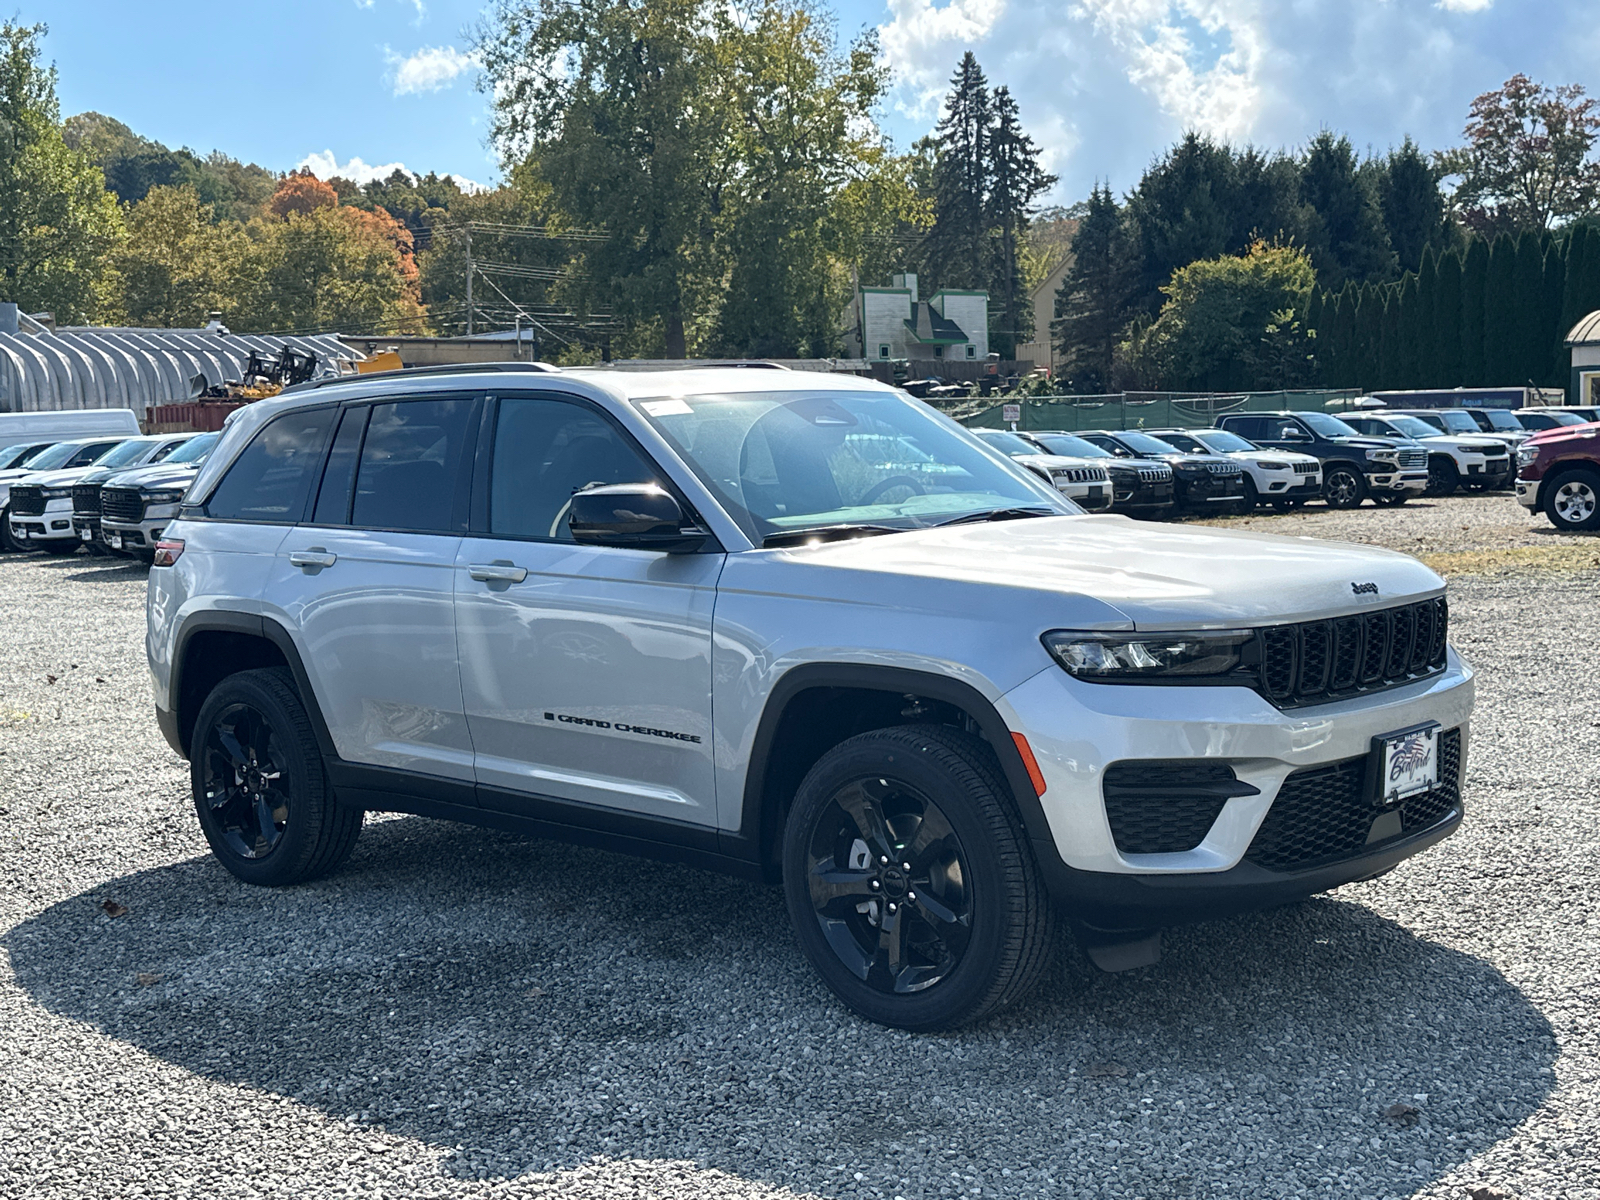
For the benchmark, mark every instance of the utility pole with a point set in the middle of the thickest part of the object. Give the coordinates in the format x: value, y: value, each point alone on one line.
x: 469, y: 283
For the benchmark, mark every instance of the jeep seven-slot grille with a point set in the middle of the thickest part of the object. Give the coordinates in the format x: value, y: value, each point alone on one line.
x: 1324, y: 814
x: 86, y: 499
x: 1155, y: 474
x: 1166, y: 807
x: 1081, y: 474
x: 1317, y: 661
x: 27, y: 500
x: 1224, y: 468
x: 121, y: 504
x: 1307, y: 468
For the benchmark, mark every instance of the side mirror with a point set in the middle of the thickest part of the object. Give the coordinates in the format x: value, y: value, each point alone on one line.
x: 1294, y: 435
x: 632, y: 516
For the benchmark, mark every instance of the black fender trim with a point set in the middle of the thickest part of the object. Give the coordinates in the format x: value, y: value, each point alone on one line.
x: 249, y: 625
x: 750, y: 842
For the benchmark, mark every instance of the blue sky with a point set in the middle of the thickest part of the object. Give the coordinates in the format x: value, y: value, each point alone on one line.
x: 1104, y: 85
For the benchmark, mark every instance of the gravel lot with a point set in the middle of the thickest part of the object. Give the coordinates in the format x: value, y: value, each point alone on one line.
x: 465, y: 1013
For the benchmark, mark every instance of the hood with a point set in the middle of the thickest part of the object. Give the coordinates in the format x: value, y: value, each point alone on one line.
x: 1372, y: 443
x: 1288, y: 456
x: 1059, y: 462
x: 156, y: 476
x: 1563, y: 433
x: 55, y: 479
x: 1478, y: 441
x: 1132, y: 464
x: 1095, y: 572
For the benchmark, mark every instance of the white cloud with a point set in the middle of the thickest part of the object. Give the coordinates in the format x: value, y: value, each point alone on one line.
x: 1465, y: 6
x: 325, y: 164
x: 421, y: 8
x: 430, y: 69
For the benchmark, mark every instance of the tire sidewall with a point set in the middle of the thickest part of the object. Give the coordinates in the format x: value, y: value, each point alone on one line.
x: 1554, y: 486
x: 942, y: 1004
x: 1358, y: 495
x: 307, y: 789
x: 1447, y: 476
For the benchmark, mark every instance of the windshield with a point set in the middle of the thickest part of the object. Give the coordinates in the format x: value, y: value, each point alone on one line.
x: 1326, y: 426
x: 1223, y: 441
x: 195, y: 449
x: 125, y: 453
x: 791, y: 460
x: 1182, y: 441
x: 1500, y: 418
x: 1456, y: 422
x: 1006, y: 443
x: 1143, y: 443
x: 15, y: 456
x: 1565, y: 418
x: 49, y: 460
x: 1068, y: 446
x: 1412, y: 427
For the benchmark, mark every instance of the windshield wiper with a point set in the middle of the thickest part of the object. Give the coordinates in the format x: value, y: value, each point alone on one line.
x: 999, y: 514
x: 825, y: 533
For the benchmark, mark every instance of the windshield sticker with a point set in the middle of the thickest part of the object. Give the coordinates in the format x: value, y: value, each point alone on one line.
x: 666, y: 408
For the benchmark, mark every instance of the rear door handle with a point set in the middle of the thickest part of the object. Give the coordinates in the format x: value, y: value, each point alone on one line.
x: 499, y: 572
x: 314, y: 557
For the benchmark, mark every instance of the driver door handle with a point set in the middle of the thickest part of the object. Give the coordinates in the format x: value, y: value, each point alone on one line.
x: 497, y: 572
x: 314, y: 557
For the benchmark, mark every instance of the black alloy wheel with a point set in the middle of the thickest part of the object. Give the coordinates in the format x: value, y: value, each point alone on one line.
x: 1443, y: 478
x: 260, y: 789
x: 910, y: 886
x: 1343, y: 486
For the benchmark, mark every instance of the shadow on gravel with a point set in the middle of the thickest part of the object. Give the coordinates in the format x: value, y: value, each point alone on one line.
x: 526, y: 1006
x: 109, y: 571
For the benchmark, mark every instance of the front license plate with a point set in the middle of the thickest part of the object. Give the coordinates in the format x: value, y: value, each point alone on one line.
x: 1097, y: 493
x: 86, y: 535
x: 114, y: 540
x: 1408, y: 763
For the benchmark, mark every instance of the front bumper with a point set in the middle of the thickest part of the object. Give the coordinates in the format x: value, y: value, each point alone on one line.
x: 85, y: 527
x: 1078, y: 729
x: 1091, y: 497
x: 1393, y: 481
x: 52, y: 525
x: 1207, y: 490
x: 1493, y: 472
x: 1528, y: 494
x: 1141, y: 497
x: 134, y: 537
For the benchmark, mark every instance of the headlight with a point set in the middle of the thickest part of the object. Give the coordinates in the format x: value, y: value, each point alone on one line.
x: 1112, y: 656
x: 1385, y: 455
x: 1469, y: 449
x: 57, y: 493
x: 162, y: 497
x: 1526, y: 454
x: 1273, y: 466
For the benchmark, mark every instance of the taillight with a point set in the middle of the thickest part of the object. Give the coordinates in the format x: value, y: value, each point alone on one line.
x: 168, y: 551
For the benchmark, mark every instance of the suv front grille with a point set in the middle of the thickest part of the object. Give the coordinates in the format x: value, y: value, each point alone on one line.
x: 1224, y: 468
x: 86, y: 499
x: 1157, y: 807
x: 1413, y: 460
x: 121, y: 504
x: 1155, y: 474
x: 1324, y: 814
x: 1317, y: 661
x: 1307, y: 468
x: 1081, y: 474
x: 27, y: 500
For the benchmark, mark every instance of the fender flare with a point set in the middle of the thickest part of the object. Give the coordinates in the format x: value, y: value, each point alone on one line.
x: 749, y: 841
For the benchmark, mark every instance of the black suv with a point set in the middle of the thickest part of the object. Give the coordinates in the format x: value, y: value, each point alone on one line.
x: 1201, y: 482
x: 1353, y: 467
x: 1140, y: 487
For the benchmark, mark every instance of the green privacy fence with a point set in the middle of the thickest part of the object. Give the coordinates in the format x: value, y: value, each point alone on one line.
x: 1146, y: 410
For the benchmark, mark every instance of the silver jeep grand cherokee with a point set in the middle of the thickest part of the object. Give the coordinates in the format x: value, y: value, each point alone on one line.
x: 802, y: 628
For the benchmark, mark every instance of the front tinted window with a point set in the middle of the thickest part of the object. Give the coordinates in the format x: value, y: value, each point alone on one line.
x: 1143, y: 443
x: 127, y: 454
x: 1452, y: 422
x: 1500, y: 418
x: 412, y: 468
x: 1182, y: 441
x: 794, y: 460
x: 544, y: 451
x: 12, y: 456
x: 1412, y: 427
x: 1251, y: 427
x: 270, y: 479
x: 195, y: 449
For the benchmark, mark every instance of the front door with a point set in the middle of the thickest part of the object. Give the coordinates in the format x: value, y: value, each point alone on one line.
x: 586, y: 671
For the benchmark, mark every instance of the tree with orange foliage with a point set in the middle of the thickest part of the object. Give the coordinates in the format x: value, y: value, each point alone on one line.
x: 380, y: 222
x: 301, y: 192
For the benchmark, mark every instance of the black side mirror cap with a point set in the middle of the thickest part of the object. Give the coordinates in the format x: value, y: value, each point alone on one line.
x: 632, y: 516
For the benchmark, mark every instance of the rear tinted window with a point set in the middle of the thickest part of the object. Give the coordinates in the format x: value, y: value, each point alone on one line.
x: 269, y: 481
x: 412, y: 470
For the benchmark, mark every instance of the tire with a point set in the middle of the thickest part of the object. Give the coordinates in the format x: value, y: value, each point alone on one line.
x: 1443, y: 478
x: 1572, y: 501
x: 1392, y: 499
x: 1251, y: 497
x: 7, y: 546
x: 970, y: 941
x: 304, y: 834
x: 1343, y: 486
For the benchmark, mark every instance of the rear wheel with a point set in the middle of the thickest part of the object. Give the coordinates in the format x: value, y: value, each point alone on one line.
x: 911, y: 888
x: 1572, y: 501
x: 1443, y: 478
x: 259, y: 786
x: 1343, y: 486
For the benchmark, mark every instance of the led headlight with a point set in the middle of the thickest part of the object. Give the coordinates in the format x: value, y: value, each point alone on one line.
x: 1526, y: 454
x: 1272, y: 466
x: 162, y: 497
x: 57, y: 493
x: 1385, y: 455
x: 1107, y: 657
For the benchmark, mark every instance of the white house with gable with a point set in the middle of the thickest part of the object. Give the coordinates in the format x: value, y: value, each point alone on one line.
x: 887, y: 323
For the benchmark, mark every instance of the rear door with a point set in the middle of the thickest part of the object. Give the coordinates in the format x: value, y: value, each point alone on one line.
x: 367, y: 578
x: 586, y: 671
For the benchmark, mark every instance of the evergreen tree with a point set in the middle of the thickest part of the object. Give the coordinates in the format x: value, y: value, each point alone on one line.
x: 1015, y: 181
x: 1553, y: 358
x: 1346, y: 235
x: 1409, y: 332
x: 956, y: 250
x: 1413, y: 207
x: 1317, y: 316
x: 1529, y: 354
x: 1184, y: 210
x: 1388, y: 372
x: 1500, y: 365
x: 1447, y: 322
x: 1346, y: 370
x: 1474, y: 307
x: 1583, y: 246
x: 1426, y: 354
x: 1095, y: 300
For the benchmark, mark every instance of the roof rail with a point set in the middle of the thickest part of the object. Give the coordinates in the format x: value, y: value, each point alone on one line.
x: 411, y: 372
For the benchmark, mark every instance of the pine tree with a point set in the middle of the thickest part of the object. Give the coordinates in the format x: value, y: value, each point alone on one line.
x: 1348, y: 350
x: 1499, y: 319
x: 1369, y: 340
x: 1315, y: 319
x: 1095, y: 300
x: 1413, y: 208
x: 1015, y: 181
x: 1583, y: 248
x: 1427, y: 346
x: 1388, y: 339
x: 956, y: 249
x: 1526, y: 361
x: 1409, y: 332
x: 1474, y: 311
x: 1447, y: 322
x: 1347, y: 239
x: 1553, y: 358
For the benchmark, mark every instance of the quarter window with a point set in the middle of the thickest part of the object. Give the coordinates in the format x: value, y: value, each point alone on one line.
x: 270, y: 479
x: 411, y: 475
x: 544, y: 451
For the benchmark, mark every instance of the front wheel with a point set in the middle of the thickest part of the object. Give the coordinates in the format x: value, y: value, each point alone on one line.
x: 1443, y: 478
x: 1343, y: 487
x: 6, y: 544
x: 259, y: 786
x: 1572, y: 501
x: 1251, y: 497
x: 910, y: 886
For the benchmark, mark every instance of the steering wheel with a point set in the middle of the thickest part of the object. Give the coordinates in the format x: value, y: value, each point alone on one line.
x: 883, y: 485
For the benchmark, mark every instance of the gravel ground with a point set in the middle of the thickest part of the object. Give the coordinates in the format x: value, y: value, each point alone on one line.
x: 462, y: 1013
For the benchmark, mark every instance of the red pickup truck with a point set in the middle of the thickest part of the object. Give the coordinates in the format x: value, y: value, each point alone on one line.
x: 1560, y: 476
